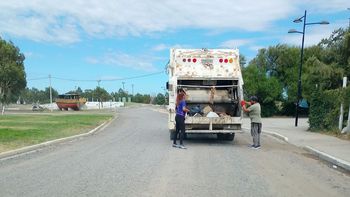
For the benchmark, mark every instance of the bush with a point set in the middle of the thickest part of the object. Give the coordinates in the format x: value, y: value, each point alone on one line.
x: 324, y: 109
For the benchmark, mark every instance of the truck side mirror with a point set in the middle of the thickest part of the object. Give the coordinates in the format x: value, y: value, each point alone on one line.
x: 169, y: 86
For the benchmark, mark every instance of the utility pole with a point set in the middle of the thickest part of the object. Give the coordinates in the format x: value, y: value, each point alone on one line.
x: 132, y: 89
x: 341, y: 117
x: 349, y: 18
x: 98, y: 82
x: 50, y: 92
x: 123, y: 86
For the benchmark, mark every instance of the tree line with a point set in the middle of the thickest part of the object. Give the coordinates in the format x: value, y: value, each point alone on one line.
x: 99, y: 94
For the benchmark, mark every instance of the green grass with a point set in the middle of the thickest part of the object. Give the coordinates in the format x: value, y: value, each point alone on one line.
x: 336, y: 133
x: 23, y: 130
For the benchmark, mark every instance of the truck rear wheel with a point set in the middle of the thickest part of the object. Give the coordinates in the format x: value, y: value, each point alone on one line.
x: 220, y: 136
x: 226, y: 136
x: 229, y: 136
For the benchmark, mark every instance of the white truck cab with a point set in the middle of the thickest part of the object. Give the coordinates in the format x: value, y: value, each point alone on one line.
x: 212, y: 79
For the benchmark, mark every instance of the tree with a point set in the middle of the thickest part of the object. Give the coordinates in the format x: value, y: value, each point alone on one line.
x: 139, y: 98
x: 159, y: 99
x: 79, y: 91
x: 266, y: 88
x: 337, y: 48
x: 242, y: 60
x: 76, y: 91
x: 34, y: 95
x: 101, y: 94
x: 88, y: 94
x: 325, y: 72
x: 120, y: 94
x: 12, y: 73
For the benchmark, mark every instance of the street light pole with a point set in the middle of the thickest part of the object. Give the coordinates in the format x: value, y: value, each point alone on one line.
x: 299, y: 76
x: 302, y: 19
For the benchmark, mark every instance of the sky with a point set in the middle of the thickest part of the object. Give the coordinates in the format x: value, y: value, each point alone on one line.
x: 126, y: 43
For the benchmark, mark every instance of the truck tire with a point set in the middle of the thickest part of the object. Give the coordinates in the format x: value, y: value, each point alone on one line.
x: 226, y: 136
x: 220, y: 136
x: 229, y: 136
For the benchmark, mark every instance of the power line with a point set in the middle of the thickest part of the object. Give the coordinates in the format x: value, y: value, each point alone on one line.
x: 134, y: 77
x: 65, y: 79
x: 39, y: 78
x: 99, y: 80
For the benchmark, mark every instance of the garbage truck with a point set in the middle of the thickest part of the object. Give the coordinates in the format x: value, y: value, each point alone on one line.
x: 212, y: 79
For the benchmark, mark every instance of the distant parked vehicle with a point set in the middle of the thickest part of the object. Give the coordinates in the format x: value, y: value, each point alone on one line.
x: 73, y: 101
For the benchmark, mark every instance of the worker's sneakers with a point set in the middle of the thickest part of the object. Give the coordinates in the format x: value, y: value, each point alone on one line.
x: 257, y: 147
x: 179, y: 146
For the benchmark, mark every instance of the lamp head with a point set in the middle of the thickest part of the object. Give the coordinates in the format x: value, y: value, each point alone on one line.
x: 298, y: 20
x: 324, y: 23
x: 294, y: 31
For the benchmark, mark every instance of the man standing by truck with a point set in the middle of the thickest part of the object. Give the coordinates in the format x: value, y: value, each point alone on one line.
x: 254, y: 112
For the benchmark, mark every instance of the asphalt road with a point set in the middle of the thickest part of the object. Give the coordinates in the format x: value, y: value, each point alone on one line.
x: 134, y: 157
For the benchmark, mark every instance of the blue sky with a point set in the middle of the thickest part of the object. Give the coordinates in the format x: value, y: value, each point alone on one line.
x: 79, y: 42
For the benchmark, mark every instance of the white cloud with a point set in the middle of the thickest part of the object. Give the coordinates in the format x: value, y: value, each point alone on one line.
x: 162, y: 47
x: 31, y: 55
x: 56, y: 21
x: 67, y: 21
x: 28, y: 54
x: 235, y: 43
x: 256, y: 48
x: 142, y: 62
x: 91, y: 60
x: 323, y: 6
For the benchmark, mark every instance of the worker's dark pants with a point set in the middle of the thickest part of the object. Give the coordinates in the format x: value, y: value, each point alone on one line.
x: 180, y: 128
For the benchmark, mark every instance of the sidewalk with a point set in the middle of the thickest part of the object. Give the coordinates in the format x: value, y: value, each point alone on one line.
x: 331, y: 149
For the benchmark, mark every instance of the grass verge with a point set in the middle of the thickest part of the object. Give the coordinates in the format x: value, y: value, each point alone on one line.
x: 17, y: 130
x: 334, y: 133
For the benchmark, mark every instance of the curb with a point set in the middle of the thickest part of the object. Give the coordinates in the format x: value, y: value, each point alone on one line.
x: 319, y: 154
x: 274, y: 134
x: 324, y: 156
x: 277, y: 135
x: 33, y: 148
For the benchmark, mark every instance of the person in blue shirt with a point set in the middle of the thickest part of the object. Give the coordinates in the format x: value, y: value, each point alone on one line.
x: 181, y: 111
